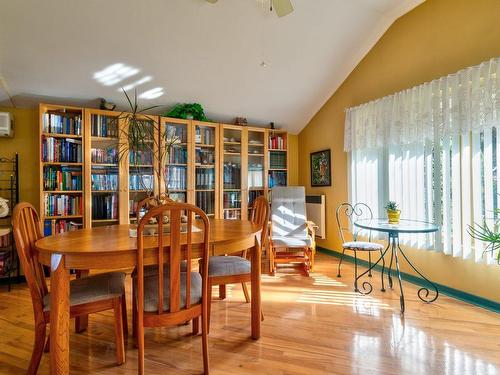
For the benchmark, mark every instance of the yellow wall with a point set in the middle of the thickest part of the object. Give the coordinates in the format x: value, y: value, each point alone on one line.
x: 293, y: 159
x: 437, y: 38
x: 25, y: 143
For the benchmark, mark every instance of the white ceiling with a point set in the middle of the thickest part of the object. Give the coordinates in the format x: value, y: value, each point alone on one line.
x: 193, y: 50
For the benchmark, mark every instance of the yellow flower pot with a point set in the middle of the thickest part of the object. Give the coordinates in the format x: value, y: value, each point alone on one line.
x: 393, y: 216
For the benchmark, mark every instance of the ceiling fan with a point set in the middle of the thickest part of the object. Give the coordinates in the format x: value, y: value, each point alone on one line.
x: 282, y: 7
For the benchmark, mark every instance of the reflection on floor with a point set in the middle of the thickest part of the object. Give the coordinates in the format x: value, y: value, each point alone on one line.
x: 315, y: 325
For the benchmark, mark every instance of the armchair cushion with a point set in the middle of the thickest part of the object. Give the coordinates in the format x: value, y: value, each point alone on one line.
x: 362, y: 245
x: 92, y: 289
x: 292, y: 241
x: 228, y: 266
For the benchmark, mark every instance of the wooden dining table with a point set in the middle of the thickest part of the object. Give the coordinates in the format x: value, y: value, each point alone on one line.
x: 112, y: 247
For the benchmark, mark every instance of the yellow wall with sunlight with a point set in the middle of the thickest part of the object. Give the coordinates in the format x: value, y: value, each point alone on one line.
x: 436, y: 38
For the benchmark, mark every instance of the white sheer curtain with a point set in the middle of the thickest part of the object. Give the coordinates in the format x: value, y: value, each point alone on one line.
x: 433, y: 149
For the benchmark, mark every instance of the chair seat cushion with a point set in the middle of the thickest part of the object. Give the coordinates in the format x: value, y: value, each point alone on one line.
x: 151, y: 291
x: 362, y: 245
x: 152, y: 269
x: 92, y: 289
x: 292, y: 241
x: 228, y: 266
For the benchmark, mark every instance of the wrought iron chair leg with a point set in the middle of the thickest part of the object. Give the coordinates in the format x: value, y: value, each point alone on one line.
x: 383, y: 269
x: 369, y: 264
x: 340, y: 263
x: 356, y: 271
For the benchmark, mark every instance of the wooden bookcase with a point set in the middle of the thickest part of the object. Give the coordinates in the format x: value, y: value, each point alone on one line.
x: 221, y: 168
x: 61, y: 145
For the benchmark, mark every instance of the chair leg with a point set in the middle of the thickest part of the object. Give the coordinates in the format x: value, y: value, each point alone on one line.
x: 369, y: 264
x: 140, y: 347
x: 209, y: 307
x: 271, y: 261
x: 204, y: 339
x: 196, y: 325
x: 222, y: 291
x: 124, y: 315
x: 245, y: 292
x: 120, y: 345
x: 356, y: 271
x: 134, y: 316
x: 36, y: 355
x: 340, y: 263
x: 313, y: 254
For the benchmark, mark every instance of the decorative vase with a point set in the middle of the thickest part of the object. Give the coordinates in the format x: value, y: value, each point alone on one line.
x: 393, y: 216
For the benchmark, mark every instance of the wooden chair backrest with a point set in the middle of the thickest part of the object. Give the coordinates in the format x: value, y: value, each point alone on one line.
x: 27, y: 230
x: 151, y: 202
x: 260, y: 215
x: 173, y: 241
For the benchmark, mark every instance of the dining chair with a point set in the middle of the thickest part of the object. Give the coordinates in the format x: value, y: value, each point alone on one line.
x: 292, y: 235
x: 346, y: 214
x: 88, y: 295
x: 171, y: 296
x: 230, y: 269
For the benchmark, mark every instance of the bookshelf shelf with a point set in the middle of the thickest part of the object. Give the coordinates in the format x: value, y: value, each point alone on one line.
x: 60, y: 163
x: 64, y: 217
x: 61, y: 135
x: 63, y: 191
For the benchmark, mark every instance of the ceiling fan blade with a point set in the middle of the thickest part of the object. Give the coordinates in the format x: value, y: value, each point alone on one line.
x: 282, y: 7
x: 212, y: 1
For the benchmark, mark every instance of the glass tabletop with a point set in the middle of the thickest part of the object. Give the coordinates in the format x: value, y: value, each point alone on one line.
x: 404, y: 226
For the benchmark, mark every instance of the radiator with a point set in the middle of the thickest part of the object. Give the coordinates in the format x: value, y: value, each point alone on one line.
x: 316, y: 208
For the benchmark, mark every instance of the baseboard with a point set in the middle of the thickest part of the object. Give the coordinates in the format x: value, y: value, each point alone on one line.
x: 451, y: 292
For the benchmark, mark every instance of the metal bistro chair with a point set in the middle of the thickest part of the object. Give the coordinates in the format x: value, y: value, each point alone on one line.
x: 350, y: 213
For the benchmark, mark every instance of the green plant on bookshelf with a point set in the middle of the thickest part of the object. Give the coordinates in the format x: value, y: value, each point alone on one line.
x: 140, y: 138
x: 488, y: 234
x: 190, y: 111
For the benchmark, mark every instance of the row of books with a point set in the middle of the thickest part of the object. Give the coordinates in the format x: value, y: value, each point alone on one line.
x: 232, y: 176
x: 104, y: 181
x: 66, y: 123
x: 206, y: 201
x: 104, y: 126
x: 178, y: 155
x: 176, y: 177
x: 205, y: 156
x: 277, y: 142
x: 232, y: 214
x: 204, y: 135
x: 178, y: 132
x: 59, y: 226
x: 105, y: 207
x: 139, y: 157
x: 277, y: 178
x: 255, y: 175
x: 62, y: 178
x: 141, y: 181
x: 277, y: 160
x: 232, y: 199
x: 63, y: 205
x: 252, y: 196
x: 61, y: 150
x: 104, y: 155
x: 205, y: 178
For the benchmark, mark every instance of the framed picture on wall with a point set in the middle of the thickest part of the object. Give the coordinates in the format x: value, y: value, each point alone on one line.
x: 321, y: 170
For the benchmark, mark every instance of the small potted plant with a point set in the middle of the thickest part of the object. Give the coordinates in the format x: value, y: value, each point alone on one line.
x: 393, y: 212
x: 490, y: 234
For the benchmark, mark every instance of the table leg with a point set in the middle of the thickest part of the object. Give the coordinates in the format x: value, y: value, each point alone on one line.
x: 256, y: 298
x: 82, y: 321
x: 59, y: 316
x: 395, y: 248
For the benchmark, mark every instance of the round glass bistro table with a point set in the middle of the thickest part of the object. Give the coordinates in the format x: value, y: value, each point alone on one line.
x: 393, y: 231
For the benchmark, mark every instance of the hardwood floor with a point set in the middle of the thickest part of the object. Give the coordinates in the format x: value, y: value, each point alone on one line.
x: 315, y: 325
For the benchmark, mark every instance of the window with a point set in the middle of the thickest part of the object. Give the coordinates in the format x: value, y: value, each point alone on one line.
x: 434, y: 150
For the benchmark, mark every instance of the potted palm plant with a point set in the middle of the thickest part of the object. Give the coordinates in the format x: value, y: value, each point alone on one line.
x: 393, y: 212
x: 138, y: 137
x: 489, y: 234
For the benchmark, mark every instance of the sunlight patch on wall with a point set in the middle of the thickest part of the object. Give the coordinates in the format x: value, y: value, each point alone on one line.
x: 152, y: 94
x: 139, y: 82
x: 114, y: 74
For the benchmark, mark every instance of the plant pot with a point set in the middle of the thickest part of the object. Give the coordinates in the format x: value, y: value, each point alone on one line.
x: 393, y: 216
